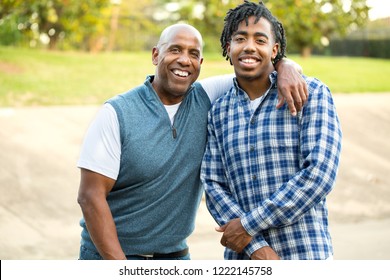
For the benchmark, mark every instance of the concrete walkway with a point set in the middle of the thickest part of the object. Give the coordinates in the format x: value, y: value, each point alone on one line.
x: 39, y: 182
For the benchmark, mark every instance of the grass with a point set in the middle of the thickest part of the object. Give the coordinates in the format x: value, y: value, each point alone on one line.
x: 349, y: 75
x: 36, y: 77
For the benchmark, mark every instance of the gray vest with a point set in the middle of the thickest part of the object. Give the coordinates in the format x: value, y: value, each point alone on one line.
x: 157, y: 193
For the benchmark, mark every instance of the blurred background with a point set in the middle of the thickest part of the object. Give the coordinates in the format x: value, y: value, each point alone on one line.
x: 319, y: 26
x: 59, y: 60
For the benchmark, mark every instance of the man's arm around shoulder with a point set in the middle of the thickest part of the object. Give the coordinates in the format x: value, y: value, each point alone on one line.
x: 292, y: 88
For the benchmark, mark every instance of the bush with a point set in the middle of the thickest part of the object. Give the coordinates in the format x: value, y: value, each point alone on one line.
x: 357, y: 47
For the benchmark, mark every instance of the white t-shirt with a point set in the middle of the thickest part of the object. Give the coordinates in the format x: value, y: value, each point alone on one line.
x: 256, y: 102
x: 101, y: 149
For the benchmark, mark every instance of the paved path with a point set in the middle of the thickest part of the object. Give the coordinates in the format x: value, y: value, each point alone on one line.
x: 39, y: 181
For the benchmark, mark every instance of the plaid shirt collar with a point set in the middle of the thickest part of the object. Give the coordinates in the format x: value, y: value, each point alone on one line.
x: 240, y: 93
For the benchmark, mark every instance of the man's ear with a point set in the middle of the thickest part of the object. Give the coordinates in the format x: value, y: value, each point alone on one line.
x: 155, y: 56
x: 275, y: 51
x: 228, y: 51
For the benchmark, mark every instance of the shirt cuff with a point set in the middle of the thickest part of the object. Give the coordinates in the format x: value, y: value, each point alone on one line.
x: 251, y: 223
x: 257, y: 243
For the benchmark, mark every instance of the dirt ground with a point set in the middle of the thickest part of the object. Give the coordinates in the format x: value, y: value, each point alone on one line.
x: 39, y: 181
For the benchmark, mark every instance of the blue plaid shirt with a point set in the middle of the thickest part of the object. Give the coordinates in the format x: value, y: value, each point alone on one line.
x: 274, y: 170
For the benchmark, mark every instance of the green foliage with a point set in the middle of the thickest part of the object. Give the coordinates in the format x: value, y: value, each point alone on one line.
x: 96, y: 25
x: 9, y: 33
x: 136, y: 29
x: 207, y: 16
x: 307, y: 22
x: 8, y: 36
x: 37, y: 77
x: 48, y: 22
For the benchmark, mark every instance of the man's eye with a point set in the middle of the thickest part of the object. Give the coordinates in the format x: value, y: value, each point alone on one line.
x: 195, y: 55
x: 175, y: 50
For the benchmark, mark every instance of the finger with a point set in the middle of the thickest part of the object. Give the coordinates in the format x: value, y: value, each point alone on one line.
x: 291, y: 106
x: 300, y: 94
x: 280, y: 101
x: 221, y: 228
x: 297, y: 100
x: 303, y: 96
x: 290, y: 102
x: 238, y: 249
x: 223, y: 241
x: 230, y: 246
x: 234, y: 247
x: 305, y: 92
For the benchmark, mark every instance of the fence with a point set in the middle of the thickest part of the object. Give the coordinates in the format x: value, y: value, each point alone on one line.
x: 379, y: 48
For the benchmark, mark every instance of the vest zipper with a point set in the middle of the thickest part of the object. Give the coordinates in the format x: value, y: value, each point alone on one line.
x: 174, y: 133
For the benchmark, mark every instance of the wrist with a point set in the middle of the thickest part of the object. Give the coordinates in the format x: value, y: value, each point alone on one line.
x: 277, y: 61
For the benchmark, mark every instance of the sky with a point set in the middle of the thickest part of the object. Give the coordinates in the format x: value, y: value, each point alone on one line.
x: 380, y: 9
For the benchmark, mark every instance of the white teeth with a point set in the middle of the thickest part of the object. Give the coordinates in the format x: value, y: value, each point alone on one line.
x: 181, y: 73
x: 249, y: 60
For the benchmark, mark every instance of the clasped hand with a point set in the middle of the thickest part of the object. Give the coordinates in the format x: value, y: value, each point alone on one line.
x: 234, y: 235
x: 237, y: 238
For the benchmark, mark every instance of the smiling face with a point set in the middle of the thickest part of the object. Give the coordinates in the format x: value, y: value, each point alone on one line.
x: 252, y: 49
x: 178, y: 58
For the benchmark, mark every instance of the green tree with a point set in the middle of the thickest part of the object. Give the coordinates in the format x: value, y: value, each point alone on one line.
x: 206, y: 15
x: 9, y: 33
x: 135, y: 27
x: 77, y: 23
x: 308, y: 23
x: 311, y: 23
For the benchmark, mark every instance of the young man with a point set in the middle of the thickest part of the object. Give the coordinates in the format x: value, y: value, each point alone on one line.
x: 140, y: 161
x: 267, y: 173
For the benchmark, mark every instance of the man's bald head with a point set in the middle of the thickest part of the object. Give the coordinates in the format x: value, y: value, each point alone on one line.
x: 169, y: 32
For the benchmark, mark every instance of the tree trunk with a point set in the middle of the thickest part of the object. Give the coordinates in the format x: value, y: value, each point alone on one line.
x: 53, y: 43
x: 306, y: 51
x: 113, y: 27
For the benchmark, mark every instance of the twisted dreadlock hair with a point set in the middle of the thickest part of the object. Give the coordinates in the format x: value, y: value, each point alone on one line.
x: 242, y: 12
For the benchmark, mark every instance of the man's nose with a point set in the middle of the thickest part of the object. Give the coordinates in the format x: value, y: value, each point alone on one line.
x: 184, y: 59
x: 249, y: 46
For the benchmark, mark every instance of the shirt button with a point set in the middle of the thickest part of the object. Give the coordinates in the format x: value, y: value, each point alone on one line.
x: 254, y: 177
x: 252, y: 148
x: 253, y: 121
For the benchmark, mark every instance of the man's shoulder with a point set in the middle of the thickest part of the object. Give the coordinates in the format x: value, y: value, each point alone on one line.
x: 200, y: 93
x: 312, y: 81
x: 199, y: 86
x: 129, y: 94
x: 318, y: 91
x: 225, y: 99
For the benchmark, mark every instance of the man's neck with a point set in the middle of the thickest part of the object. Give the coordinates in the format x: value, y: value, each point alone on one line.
x: 255, y: 87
